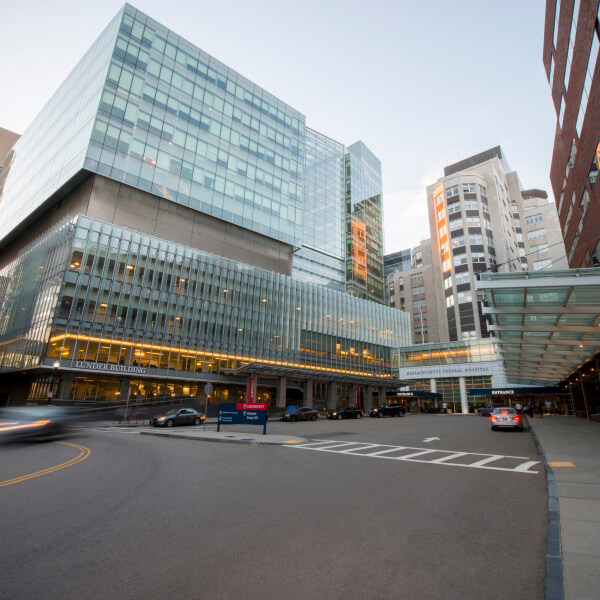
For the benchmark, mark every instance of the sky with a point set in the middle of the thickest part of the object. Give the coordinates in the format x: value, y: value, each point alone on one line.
x: 422, y: 84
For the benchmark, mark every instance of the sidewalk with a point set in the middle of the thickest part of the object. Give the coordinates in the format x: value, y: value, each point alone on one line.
x: 570, y: 448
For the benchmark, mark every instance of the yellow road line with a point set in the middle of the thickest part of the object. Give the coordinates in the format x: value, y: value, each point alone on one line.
x: 85, y: 452
x: 561, y: 464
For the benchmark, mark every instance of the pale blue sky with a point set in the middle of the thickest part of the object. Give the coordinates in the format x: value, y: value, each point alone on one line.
x: 422, y: 84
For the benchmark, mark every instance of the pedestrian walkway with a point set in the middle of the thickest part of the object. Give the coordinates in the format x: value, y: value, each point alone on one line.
x: 571, y: 448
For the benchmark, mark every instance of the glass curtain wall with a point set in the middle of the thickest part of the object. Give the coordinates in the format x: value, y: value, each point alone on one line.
x: 143, y: 305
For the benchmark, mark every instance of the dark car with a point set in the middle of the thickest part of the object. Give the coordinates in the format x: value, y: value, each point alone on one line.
x: 36, y: 422
x: 302, y: 414
x: 348, y: 412
x: 388, y: 410
x: 178, y: 416
x: 484, y: 411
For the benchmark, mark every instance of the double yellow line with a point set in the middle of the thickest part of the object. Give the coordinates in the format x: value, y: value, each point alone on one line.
x: 85, y: 452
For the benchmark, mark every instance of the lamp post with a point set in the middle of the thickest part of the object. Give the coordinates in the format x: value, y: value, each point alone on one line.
x: 53, y: 378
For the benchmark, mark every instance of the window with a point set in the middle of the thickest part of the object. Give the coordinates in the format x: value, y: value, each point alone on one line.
x: 471, y: 204
x: 475, y: 238
x: 439, y: 198
x: 531, y: 219
x: 441, y: 214
x: 474, y: 221
x: 449, y: 301
x: 542, y: 264
x: 418, y: 290
x: 462, y: 278
x: 516, y: 222
x: 461, y: 260
x: 539, y: 248
x: 466, y: 296
x: 447, y: 265
x: 419, y: 315
x: 443, y: 231
x: 593, y: 173
x: 587, y: 85
x: 536, y: 233
x: 445, y: 247
x: 458, y: 241
x: 556, y: 15
x: 456, y: 224
x: 482, y: 190
x: 452, y: 191
x: 490, y: 241
x: 585, y: 200
x: 469, y: 188
x: 447, y: 283
x: 478, y: 257
x: 571, y: 43
x: 454, y: 208
x: 416, y: 277
x: 419, y: 303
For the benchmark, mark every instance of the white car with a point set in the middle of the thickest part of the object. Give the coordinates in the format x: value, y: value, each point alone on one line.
x: 506, y: 417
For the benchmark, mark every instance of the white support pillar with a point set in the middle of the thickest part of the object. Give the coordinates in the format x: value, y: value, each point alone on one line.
x: 281, y: 393
x: 332, y: 398
x: 368, y: 398
x: 308, y: 393
x: 433, y: 385
x: 464, y: 402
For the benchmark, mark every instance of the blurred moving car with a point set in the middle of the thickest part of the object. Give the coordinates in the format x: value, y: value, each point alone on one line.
x: 388, y: 410
x: 348, y: 412
x: 178, y: 416
x: 302, y: 414
x: 506, y: 417
x: 23, y: 422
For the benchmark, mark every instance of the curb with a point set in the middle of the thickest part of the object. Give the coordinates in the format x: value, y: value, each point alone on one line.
x: 555, y: 588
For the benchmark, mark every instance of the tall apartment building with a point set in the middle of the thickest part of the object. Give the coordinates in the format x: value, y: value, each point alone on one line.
x: 571, y: 47
x: 150, y: 219
x: 482, y: 220
x: 364, y: 228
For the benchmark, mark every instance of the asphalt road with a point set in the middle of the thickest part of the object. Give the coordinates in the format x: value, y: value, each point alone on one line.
x: 155, y: 518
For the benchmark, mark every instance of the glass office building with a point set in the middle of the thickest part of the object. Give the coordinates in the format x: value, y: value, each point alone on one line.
x: 147, y: 108
x: 321, y: 259
x: 150, y: 217
x: 364, y: 228
x: 127, y: 314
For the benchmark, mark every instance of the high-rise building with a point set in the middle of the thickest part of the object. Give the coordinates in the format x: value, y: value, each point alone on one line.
x: 321, y: 258
x: 571, y: 47
x: 397, y: 261
x: 413, y: 290
x: 482, y: 220
x: 364, y: 228
x: 150, y: 216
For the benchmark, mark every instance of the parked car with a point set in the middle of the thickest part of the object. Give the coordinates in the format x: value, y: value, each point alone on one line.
x: 506, y: 417
x: 302, y: 414
x: 485, y: 411
x: 348, y: 412
x: 178, y: 416
x: 388, y: 410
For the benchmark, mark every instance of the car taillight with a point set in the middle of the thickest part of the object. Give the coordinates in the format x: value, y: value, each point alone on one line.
x: 516, y: 418
x: 492, y: 417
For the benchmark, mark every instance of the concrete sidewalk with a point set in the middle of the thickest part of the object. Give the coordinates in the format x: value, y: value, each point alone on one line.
x: 571, y: 449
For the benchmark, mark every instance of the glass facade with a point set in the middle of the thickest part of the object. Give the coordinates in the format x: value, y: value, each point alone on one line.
x: 364, y: 230
x: 149, y: 109
x: 107, y: 300
x: 321, y: 258
x: 449, y: 353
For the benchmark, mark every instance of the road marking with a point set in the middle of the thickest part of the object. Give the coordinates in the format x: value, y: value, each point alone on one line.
x: 472, y: 460
x: 431, y: 439
x: 85, y: 452
x: 561, y: 464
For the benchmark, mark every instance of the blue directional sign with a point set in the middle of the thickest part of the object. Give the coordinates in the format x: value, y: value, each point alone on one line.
x: 229, y: 414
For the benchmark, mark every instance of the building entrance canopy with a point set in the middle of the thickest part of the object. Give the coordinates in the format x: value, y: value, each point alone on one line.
x: 547, y: 322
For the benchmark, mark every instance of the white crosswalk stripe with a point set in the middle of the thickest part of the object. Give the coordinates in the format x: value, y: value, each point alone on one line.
x: 473, y: 460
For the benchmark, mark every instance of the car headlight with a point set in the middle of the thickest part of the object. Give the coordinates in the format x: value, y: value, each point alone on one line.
x: 161, y: 418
